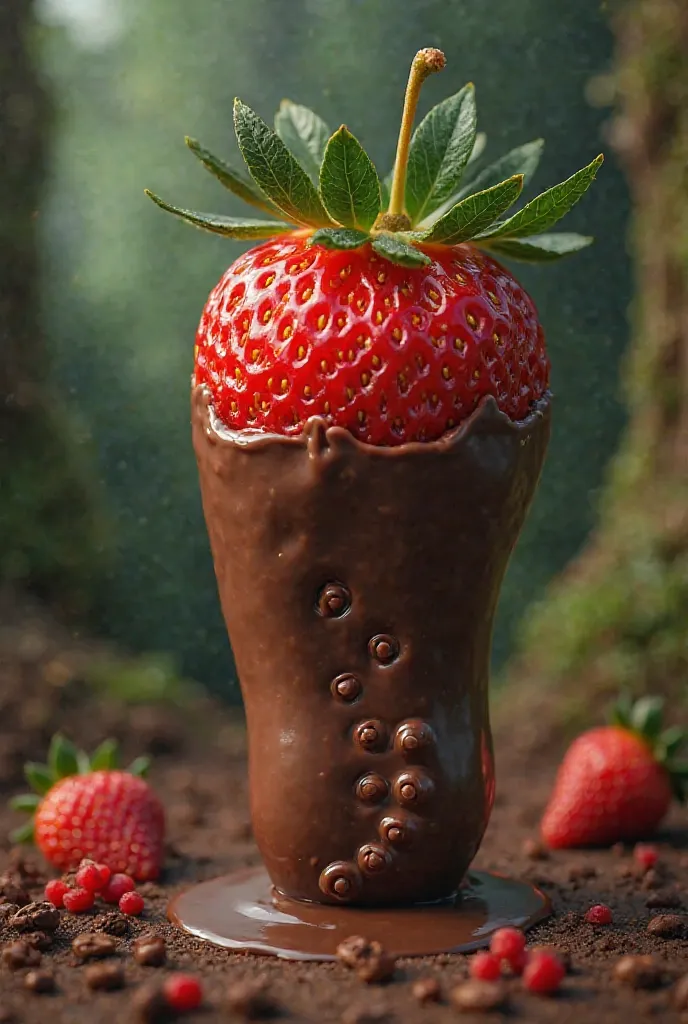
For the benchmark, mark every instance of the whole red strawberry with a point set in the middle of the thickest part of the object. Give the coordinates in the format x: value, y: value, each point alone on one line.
x: 384, y: 313
x: 87, y: 808
x: 616, y: 782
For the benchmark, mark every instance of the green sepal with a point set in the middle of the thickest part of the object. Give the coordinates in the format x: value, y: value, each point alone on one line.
x: 478, y: 148
x: 521, y: 160
x: 349, y: 185
x: 140, y: 766
x: 549, y: 207
x: 231, y: 227
x: 230, y: 178
x: 339, y: 238
x: 646, y: 717
x: 105, y: 757
x: 440, y: 148
x: 672, y: 740
x: 23, y: 834
x: 62, y: 757
x: 304, y: 134
x: 392, y: 248
x: 26, y: 802
x: 622, y: 710
x: 538, y: 248
x: 475, y: 213
x: 275, y: 170
x: 39, y: 777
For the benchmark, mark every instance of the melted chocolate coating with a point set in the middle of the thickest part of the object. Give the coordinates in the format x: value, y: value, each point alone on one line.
x: 337, y: 559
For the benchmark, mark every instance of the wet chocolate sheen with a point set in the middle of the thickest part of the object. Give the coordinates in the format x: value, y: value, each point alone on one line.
x: 359, y: 586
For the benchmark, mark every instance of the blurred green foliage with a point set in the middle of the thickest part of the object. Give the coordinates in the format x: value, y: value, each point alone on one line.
x: 124, y: 285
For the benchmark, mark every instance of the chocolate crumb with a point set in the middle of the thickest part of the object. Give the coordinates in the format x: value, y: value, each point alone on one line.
x: 7, y: 910
x: 39, y: 982
x: 427, y: 990
x: 249, y: 999
x: 93, y: 945
x: 149, y: 1004
x: 39, y: 940
x: 639, y: 972
x: 20, y: 954
x: 370, y: 961
x: 668, y: 926
x: 43, y: 917
x: 680, y: 993
x: 480, y: 996
x: 350, y: 950
x: 105, y: 977
x: 150, y: 950
x: 113, y: 923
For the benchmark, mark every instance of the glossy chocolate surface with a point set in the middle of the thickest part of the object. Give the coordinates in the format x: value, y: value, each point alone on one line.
x: 241, y: 912
x: 359, y: 586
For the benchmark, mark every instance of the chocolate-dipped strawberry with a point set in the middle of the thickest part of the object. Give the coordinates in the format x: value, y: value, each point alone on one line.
x: 370, y: 416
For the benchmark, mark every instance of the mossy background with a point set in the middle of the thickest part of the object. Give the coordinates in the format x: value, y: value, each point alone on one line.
x: 122, y: 285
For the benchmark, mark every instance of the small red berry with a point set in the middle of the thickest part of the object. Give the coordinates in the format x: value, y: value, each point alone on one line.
x: 518, y: 962
x: 485, y: 967
x: 89, y: 877
x: 183, y: 992
x: 55, y: 891
x: 645, y: 855
x: 508, y: 944
x: 78, y: 900
x: 544, y: 973
x: 599, y: 914
x: 131, y: 903
x: 116, y: 888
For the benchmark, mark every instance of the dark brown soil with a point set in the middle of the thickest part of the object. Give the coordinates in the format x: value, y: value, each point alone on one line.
x: 202, y: 760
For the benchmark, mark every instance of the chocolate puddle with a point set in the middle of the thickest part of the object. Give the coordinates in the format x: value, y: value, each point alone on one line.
x: 359, y: 586
x: 241, y: 912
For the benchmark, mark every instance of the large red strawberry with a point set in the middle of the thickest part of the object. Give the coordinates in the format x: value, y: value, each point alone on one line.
x: 385, y: 313
x: 87, y: 808
x: 616, y: 782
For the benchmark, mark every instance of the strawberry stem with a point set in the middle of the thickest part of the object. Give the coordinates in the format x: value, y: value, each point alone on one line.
x: 425, y: 63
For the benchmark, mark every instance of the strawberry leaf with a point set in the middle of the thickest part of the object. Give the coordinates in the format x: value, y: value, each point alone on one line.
x: 230, y: 178
x: 672, y: 740
x: 475, y: 213
x: 646, y: 717
x: 27, y: 802
x: 39, y: 777
x: 105, y: 757
x: 522, y: 160
x: 304, y: 134
x: 140, y: 766
x: 339, y: 238
x: 23, y: 834
x: 478, y: 147
x: 349, y: 184
x: 275, y: 170
x: 62, y: 757
x: 440, y: 148
x: 231, y: 227
x: 396, y: 251
x: 539, y: 248
x: 544, y: 211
